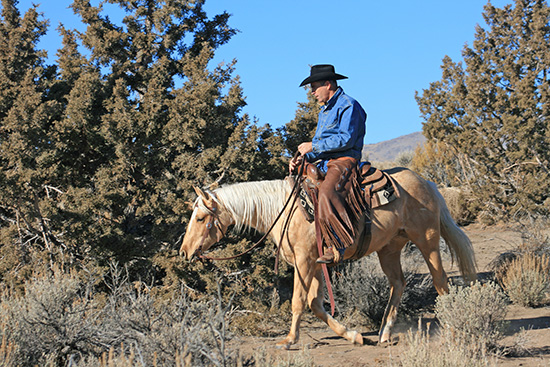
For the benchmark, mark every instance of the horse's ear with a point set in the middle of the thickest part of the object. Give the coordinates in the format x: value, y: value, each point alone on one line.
x: 204, y: 195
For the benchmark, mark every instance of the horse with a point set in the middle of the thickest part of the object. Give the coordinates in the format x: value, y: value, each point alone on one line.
x: 419, y: 215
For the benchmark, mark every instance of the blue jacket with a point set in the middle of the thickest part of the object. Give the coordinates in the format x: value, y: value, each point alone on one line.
x: 340, y: 129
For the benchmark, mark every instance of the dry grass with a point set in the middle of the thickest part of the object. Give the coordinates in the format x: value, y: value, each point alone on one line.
x: 8, y: 351
x: 63, y: 319
x: 459, y: 202
x: 473, y: 315
x: 527, y: 280
x: 302, y: 359
x: 524, y: 272
x: 472, y: 321
x: 423, y: 351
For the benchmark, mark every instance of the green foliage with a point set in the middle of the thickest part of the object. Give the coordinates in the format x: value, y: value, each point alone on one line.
x: 100, y: 150
x: 99, y: 155
x: 494, y: 108
x: 302, y: 127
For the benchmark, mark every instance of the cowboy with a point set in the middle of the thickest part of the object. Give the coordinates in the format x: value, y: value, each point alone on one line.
x: 336, y: 150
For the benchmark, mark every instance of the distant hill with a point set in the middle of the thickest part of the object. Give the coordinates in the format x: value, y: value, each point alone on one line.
x: 387, y: 151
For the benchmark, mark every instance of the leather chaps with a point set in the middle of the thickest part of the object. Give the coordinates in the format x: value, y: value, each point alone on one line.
x: 341, y: 203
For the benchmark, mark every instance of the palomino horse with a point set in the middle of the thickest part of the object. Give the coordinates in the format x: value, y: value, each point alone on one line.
x: 419, y: 215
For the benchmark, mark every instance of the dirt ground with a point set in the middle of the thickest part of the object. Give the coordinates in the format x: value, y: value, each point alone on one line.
x: 329, y: 350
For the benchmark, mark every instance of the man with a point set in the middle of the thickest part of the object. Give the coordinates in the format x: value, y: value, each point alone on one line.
x: 336, y: 149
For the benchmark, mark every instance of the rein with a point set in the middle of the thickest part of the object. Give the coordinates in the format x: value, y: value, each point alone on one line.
x: 214, y: 221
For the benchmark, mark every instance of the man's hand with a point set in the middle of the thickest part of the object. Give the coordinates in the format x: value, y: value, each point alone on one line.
x: 293, y: 163
x: 305, y: 148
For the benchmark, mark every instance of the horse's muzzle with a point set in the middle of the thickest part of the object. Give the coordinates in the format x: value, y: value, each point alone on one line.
x: 189, y: 257
x: 184, y: 255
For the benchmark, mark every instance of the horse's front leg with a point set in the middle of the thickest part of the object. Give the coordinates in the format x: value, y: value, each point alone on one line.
x: 316, y: 298
x: 304, y: 270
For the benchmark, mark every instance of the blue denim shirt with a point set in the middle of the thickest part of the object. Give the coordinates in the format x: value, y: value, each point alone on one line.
x: 340, y: 129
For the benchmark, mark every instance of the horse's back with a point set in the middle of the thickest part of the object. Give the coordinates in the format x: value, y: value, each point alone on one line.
x: 411, y: 185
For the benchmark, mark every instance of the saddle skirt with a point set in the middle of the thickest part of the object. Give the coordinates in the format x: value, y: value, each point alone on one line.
x: 378, y: 187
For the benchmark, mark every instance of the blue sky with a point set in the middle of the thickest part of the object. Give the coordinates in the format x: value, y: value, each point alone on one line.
x: 388, y: 50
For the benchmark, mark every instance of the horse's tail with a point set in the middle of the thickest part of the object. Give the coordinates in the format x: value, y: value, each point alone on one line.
x: 457, y: 241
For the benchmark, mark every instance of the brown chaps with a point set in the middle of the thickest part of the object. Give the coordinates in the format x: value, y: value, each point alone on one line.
x: 341, y: 203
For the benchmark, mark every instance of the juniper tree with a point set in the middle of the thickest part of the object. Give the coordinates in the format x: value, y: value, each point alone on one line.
x: 25, y: 114
x: 494, y: 109
x: 302, y: 127
x: 107, y: 142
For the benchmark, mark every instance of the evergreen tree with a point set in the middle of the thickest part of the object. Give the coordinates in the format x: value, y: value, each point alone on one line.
x: 25, y: 116
x: 302, y: 127
x: 495, y: 109
x: 104, y: 146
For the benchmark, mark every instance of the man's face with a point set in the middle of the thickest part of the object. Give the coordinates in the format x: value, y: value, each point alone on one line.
x: 321, y: 91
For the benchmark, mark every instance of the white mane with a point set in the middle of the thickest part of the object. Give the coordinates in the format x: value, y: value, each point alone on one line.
x: 256, y: 202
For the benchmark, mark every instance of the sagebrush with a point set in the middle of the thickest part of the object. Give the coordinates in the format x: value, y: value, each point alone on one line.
x: 64, y: 318
x: 474, y: 315
x: 527, y: 280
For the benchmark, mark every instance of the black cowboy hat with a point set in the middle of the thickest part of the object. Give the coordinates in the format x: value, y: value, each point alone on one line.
x: 322, y: 72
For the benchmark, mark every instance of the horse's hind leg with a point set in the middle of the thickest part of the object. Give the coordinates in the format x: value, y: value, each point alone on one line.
x: 315, y: 299
x: 428, y: 244
x: 390, y: 261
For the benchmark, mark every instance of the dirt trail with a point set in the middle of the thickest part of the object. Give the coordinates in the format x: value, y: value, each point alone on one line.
x: 329, y: 350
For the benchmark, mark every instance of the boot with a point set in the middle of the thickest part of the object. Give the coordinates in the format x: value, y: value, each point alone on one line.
x: 327, y: 258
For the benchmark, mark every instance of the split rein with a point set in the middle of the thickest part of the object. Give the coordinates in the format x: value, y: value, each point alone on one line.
x: 213, y: 221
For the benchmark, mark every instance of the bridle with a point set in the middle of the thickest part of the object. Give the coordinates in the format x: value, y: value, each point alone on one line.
x: 213, y: 221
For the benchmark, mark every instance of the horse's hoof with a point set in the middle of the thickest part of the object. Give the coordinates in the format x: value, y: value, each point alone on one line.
x: 385, y: 338
x: 284, y: 344
x: 388, y: 340
x: 358, y: 339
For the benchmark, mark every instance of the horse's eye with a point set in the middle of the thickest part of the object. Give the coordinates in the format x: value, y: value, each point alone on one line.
x: 200, y: 219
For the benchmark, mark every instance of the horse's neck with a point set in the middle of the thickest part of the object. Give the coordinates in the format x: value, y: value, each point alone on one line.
x: 254, y: 204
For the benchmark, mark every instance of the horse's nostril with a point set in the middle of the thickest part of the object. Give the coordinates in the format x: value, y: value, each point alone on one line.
x: 183, y: 254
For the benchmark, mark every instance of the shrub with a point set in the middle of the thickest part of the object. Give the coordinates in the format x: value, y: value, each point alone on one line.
x: 472, y: 323
x: 62, y: 319
x: 524, y: 271
x: 458, y: 200
x: 263, y: 359
x: 420, y: 351
x: 527, y: 280
x: 473, y: 315
x: 55, y: 318
x: 7, y: 353
x: 404, y: 159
